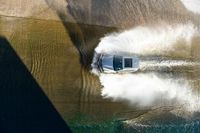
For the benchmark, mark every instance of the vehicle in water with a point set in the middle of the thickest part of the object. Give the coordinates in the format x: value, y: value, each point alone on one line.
x: 117, y: 63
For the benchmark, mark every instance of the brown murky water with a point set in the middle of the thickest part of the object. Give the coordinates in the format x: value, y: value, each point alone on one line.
x: 58, y: 53
x: 49, y: 54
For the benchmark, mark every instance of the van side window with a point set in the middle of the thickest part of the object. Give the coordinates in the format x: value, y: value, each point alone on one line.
x: 128, y: 62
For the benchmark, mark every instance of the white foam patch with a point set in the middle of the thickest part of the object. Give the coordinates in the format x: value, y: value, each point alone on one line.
x: 147, y: 89
x: 160, y: 40
x: 192, y: 5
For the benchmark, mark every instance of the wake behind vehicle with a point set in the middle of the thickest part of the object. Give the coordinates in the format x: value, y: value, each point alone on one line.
x: 117, y: 63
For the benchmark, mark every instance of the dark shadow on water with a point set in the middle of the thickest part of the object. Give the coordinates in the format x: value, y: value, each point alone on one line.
x: 85, y: 37
x: 24, y: 108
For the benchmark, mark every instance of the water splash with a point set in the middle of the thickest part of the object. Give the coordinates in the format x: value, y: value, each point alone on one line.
x: 161, y: 40
x: 149, y: 89
x: 192, y: 5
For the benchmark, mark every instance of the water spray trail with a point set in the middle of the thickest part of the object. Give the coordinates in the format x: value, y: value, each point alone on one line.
x: 163, y: 64
x: 148, y: 89
x: 161, y: 40
x: 192, y: 5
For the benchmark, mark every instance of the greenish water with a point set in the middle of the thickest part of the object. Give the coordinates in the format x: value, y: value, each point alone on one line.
x: 117, y: 126
x: 83, y: 123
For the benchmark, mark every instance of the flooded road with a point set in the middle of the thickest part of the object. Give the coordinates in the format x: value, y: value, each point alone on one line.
x: 58, y: 53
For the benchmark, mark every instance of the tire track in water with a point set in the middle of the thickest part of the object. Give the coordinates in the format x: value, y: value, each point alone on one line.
x: 166, y: 65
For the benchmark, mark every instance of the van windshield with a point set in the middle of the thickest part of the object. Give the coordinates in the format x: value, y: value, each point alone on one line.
x: 117, y: 63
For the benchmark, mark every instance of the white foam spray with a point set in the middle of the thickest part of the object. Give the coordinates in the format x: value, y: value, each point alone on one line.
x: 160, y: 40
x: 148, y: 89
x: 192, y: 5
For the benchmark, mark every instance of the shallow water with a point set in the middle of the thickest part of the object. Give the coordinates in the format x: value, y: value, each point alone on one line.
x: 50, y: 56
x: 59, y: 55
